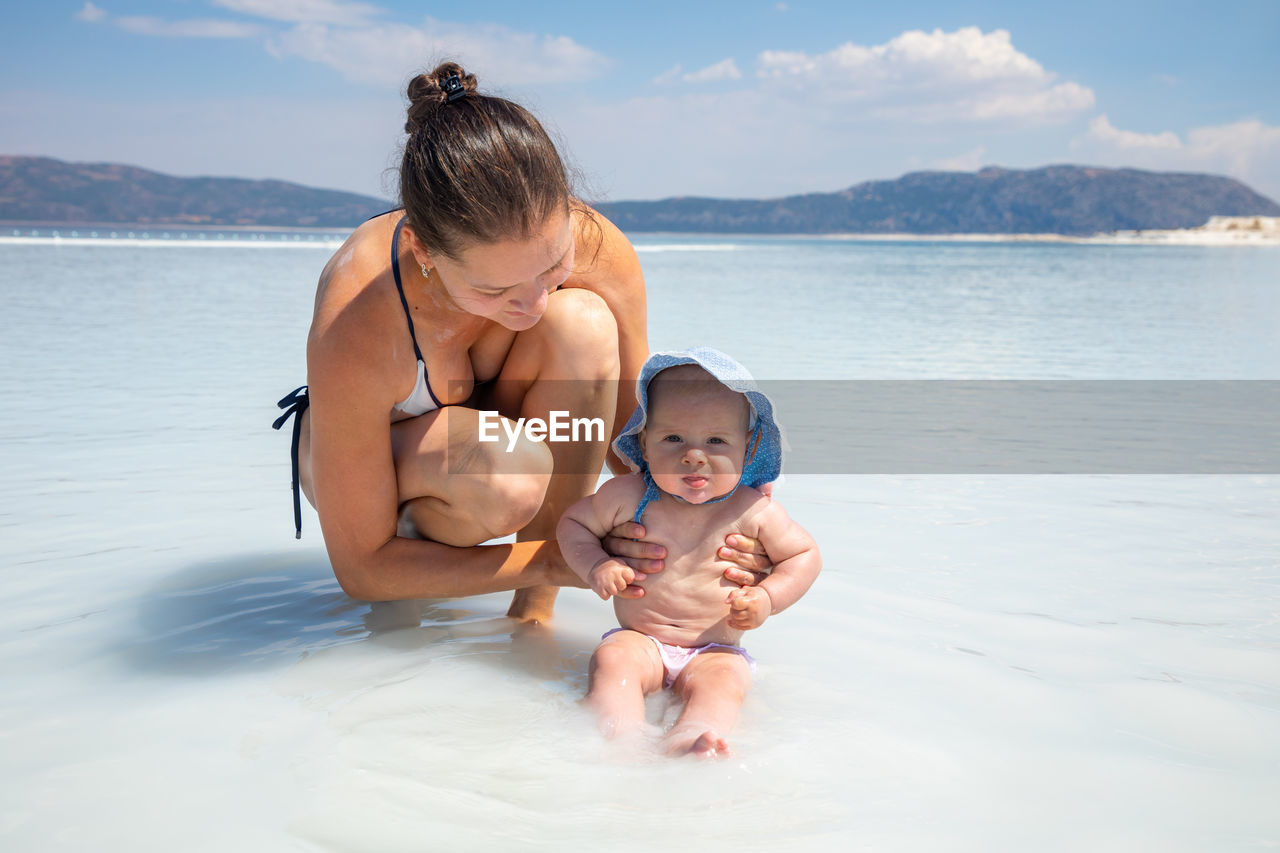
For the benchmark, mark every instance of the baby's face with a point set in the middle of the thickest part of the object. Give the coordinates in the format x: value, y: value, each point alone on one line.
x: 695, y: 439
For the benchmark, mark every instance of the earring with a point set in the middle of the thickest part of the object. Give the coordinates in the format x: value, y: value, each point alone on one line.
x: 426, y: 273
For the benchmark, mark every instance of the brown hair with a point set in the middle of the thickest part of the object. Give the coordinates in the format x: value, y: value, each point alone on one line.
x: 476, y: 168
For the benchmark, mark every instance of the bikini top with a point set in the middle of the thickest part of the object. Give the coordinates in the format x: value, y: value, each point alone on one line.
x: 421, y: 399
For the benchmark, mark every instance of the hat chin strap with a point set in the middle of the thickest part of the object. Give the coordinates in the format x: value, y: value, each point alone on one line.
x: 652, y: 491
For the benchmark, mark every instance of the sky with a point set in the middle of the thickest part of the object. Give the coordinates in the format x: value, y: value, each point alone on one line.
x: 651, y: 100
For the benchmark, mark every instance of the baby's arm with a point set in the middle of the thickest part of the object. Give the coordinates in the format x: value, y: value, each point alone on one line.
x: 796, y: 566
x: 583, y: 526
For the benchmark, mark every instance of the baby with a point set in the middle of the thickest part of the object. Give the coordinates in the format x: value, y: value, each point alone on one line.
x: 702, y: 440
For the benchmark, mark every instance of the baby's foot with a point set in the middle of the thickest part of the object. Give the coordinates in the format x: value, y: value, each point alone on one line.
x: 710, y: 745
x: 706, y: 744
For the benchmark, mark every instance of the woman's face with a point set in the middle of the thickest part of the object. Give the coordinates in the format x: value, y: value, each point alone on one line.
x: 508, y: 281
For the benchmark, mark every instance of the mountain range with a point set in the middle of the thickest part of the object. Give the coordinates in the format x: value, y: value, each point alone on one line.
x: 53, y: 192
x: 1071, y: 200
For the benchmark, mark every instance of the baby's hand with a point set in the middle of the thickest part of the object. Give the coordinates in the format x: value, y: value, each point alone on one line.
x: 609, y: 577
x: 749, y: 606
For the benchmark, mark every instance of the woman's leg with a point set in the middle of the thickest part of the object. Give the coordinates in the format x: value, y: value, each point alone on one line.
x: 452, y: 488
x: 568, y: 362
x: 459, y: 491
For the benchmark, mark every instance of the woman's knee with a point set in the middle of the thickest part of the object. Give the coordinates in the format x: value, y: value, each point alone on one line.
x: 505, y: 506
x: 485, y: 482
x: 516, y: 500
x: 581, y: 333
x: 505, y: 481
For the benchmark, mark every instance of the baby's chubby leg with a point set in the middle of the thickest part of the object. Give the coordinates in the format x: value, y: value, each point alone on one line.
x: 713, y: 686
x: 624, y: 669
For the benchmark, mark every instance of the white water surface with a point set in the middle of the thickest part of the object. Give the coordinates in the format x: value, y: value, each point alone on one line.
x: 1072, y: 662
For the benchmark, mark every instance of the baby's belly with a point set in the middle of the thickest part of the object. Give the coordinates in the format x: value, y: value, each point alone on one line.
x: 681, y: 609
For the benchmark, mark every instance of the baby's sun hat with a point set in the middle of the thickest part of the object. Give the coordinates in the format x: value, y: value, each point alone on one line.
x: 764, y: 441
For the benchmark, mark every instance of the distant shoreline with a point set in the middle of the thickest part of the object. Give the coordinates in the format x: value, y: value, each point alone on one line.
x: 239, y: 236
x: 1219, y: 231
x: 9, y: 226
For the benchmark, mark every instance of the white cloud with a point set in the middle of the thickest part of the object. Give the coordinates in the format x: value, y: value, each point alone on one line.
x: 385, y: 54
x: 192, y: 28
x: 398, y: 49
x: 91, y: 13
x: 970, y: 161
x: 1058, y: 102
x: 918, y: 57
x: 1244, y: 145
x: 1246, y: 150
x: 671, y: 75
x: 818, y: 121
x: 930, y: 77
x: 305, y: 11
x: 725, y: 69
x: 1103, y: 131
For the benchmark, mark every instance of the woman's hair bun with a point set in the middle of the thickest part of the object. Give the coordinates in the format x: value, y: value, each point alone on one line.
x: 428, y: 92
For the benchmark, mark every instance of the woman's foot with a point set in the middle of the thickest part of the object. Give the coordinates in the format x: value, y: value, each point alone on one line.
x: 535, y: 604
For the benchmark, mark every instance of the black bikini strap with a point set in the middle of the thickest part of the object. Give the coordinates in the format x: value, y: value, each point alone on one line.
x: 395, y: 270
x: 294, y: 404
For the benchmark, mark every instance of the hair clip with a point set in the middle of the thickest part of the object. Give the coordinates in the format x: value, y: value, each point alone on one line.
x: 453, y: 88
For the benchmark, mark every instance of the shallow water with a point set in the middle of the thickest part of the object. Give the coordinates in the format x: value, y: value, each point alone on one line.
x: 987, y: 663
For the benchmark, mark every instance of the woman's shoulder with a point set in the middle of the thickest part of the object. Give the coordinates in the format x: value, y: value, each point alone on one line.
x: 603, y: 252
x: 364, y: 253
x: 350, y: 298
x: 358, y: 264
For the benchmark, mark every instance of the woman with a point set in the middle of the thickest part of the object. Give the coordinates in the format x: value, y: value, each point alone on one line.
x: 493, y: 290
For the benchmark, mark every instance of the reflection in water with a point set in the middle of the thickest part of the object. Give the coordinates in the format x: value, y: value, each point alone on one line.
x: 241, y: 611
x: 273, y: 609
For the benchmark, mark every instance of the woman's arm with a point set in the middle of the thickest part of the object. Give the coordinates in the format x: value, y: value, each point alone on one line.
x: 607, y: 264
x: 614, y: 272
x: 353, y: 383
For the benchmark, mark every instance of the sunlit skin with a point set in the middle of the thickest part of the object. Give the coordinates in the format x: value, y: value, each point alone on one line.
x: 519, y: 325
x: 507, y: 282
x: 695, y: 443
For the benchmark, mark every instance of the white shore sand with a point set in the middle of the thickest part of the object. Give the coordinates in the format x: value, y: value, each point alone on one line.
x: 1218, y: 231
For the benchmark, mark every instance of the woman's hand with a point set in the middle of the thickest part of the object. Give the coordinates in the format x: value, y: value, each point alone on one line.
x: 626, y: 542
x: 752, y: 563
